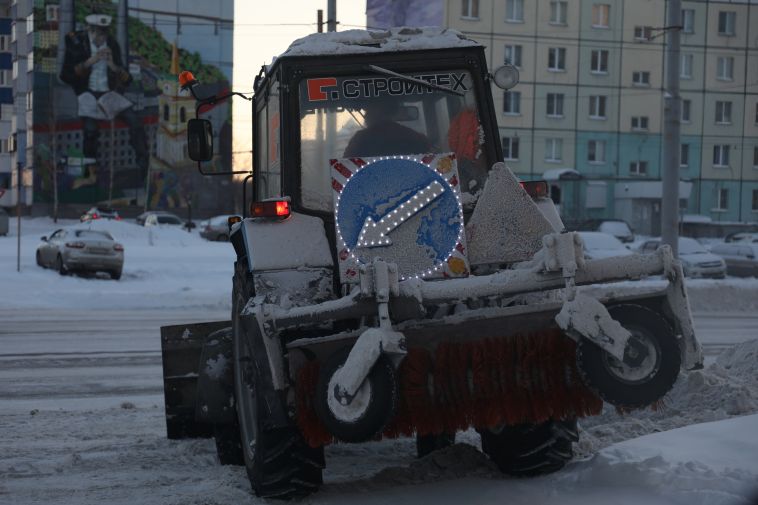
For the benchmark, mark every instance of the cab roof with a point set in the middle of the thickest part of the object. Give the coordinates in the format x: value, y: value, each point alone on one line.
x: 378, y: 41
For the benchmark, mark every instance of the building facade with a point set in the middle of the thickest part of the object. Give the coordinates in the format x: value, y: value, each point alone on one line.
x: 84, y: 134
x: 588, y: 111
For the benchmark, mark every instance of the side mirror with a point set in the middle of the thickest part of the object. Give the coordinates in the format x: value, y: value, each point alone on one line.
x: 200, y: 139
x: 43, y: 239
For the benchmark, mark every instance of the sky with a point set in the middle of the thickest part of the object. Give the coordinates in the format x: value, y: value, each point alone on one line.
x: 260, y: 33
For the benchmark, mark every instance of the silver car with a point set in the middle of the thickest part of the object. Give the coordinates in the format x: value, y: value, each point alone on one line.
x: 741, y: 258
x: 216, y: 228
x: 696, y: 260
x: 81, y: 250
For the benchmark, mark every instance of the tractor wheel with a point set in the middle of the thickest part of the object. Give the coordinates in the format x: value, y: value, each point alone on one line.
x: 60, y: 266
x: 528, y: 450
x: 650, y: 366
x: 279, y: 463
x: 370, y: 409
x: 427, y: 444
x: 228, y: 445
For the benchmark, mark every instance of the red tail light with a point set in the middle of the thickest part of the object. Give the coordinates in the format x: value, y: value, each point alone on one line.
x: 535, y: 189
x: 274, y: 208
x: 118, y: 218
x: 118, y: 247
x: 75, y: 245
x: 95, y: 216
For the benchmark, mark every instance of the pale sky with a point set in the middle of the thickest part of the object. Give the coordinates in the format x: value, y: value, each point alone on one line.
x: 263, y: 30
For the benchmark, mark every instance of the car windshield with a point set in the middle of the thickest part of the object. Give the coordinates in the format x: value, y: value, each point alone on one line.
x: 169, y: 220
x: 379, y: 115
x: 96, y: 234
x: 691, y: 246
x: 601, y: 241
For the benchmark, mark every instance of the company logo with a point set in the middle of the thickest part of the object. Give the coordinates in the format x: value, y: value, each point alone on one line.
x: 331, y: 88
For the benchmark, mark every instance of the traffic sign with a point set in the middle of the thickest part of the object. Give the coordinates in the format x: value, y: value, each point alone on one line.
x: 404, y: 209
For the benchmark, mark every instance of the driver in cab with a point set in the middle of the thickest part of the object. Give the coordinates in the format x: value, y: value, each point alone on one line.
x: 382, y: 135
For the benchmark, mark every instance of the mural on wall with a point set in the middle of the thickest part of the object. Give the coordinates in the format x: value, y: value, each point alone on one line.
x: 109, y: 117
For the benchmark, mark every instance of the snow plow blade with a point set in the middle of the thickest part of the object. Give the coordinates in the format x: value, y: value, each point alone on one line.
x: 181, y: 350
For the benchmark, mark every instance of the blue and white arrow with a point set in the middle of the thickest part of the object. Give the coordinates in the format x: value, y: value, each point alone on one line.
x: 374, y: 234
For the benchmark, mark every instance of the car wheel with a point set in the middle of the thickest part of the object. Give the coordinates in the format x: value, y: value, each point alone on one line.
x: 38, y: 257
x: 115, y: 274
x: 60, y: 265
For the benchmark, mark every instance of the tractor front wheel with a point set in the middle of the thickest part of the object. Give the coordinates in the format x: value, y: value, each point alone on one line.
x: 528, y: 450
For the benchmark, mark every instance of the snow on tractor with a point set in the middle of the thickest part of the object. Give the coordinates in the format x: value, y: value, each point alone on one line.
x: 393, y: 277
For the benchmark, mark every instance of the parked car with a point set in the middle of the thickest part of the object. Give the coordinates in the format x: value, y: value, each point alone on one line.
x: 81, y: 250
x: 599, y: 245
x: 99, y: 212
x: 696, y: 260
x: 216, y: 228
x: 3, y: 222
x: 153, y: 218
x: 616, y: 227
x: 742, y: 236
x: 741, y: 258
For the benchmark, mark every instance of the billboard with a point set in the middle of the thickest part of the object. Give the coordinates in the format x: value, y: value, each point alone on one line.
x: 109, y: 120
x: 390, y: 13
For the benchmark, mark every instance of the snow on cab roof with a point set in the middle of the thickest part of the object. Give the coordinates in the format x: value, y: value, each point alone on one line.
x: 373, y: 41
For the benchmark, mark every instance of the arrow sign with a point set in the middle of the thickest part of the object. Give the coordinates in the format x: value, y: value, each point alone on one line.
x: 374, y: 234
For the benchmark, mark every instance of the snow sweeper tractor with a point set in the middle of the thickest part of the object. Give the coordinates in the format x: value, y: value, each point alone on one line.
x: 394, y: 278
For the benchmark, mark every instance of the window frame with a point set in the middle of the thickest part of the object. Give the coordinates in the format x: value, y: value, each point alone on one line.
x: 558, y: 55
x: 559, y: 7
x: 556, y: 146
x: 684, y: 155
x: 722, y: 200
x: 518, y: 50
x: 640, y: 120
x: 644, y: 83
x: 514, y: 6
x: 686, y: 106
x: 730, y: 18
x: 723, y: 63
x: 558, y: 101
x: 640, y: 167
x: 688, y: 15
x: 597, y: 17
x: 643, y: 33
x: 725, y: 107
x: 723, y: 152
x: 506, y: 102
x: 686, y: 63
x: 594, y: 151
x: 508, y: 151
x: 596, y: 56
x: 470, y: 9
x: 598, y: 102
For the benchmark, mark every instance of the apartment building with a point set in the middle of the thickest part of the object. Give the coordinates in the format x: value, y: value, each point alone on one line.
x: 588, y: 112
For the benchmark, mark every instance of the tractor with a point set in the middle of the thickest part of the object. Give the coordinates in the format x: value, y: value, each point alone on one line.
x: 394, y: 278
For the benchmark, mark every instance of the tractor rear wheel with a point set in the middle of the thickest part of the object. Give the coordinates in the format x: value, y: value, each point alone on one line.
x: 279, y: 462
x: 527, y: 450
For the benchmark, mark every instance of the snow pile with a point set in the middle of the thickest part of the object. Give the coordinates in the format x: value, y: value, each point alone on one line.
x: 727, y: 388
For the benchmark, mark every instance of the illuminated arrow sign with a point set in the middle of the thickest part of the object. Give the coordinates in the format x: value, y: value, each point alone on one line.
x: 375, y: 234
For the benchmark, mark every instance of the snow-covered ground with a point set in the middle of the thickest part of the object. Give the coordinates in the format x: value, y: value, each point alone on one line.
x: 81, y: 404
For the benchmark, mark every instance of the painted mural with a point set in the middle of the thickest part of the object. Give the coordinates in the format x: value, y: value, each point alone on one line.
x: 109, y: 117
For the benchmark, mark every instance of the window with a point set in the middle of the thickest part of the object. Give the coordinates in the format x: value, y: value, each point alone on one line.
x: 470, y: 9
x: 686, y: 106
x: 756, y: 113
x: 513, y: 55
x: 722, y: 199
x: 553, y: 150
x: 512, y: 102
x: 5, y: 79
x: 510, y: 148
x: 639, y: 122
x: 641, y: 78
x: 643, y: 32
x: 721, y: 155
x: 30, y: 23
x: 51, y: 13
x: 597, y: 106
x: 755, y: 200
x: 688, y: 20
x: 755, y: 157
x: 685, y: 70
x: 15, y: 69
x: 3, y: 42
x: 723, y: 112
x: 556, y: 59
x: 558, y: 13
x: 600, y: 15
x: 638, y: 168
x: 725, y: 68
x: 599, y: 61
x: 555, y: 104
x: 29, y: 101
x: 684, y: 155
x: 596, y: 151
x: 726, y: 23
x: 13, y: 32
x: 30, y: 62
x: 514, y: 11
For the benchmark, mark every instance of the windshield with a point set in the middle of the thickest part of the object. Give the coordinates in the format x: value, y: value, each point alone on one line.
x: 93, y: 234
x: 379, y: 115
x: 690, y: 246
x: 601, y: 241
